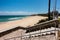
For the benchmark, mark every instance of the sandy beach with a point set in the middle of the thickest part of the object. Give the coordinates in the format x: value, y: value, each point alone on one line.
x: 25, y: 22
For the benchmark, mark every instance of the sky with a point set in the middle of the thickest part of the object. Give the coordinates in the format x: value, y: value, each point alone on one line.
x: 25, y: 7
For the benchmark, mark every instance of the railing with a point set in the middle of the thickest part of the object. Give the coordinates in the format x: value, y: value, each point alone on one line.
x: 38, y: 35
x: 35, y: 35
x: 44, y: 25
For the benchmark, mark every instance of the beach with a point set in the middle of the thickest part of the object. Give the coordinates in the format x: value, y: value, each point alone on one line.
x: 25, y: 22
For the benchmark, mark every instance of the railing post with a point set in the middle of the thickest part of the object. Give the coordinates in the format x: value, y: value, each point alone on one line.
x: 56, y: 35
x: 56, y: 32
x: 21, y: 35
x: 40, y: 33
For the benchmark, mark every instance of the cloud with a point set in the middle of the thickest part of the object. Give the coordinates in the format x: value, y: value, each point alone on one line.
x: 16, y: 13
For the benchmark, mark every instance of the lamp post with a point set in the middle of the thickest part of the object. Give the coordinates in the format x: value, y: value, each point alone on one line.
x: 49, y: 9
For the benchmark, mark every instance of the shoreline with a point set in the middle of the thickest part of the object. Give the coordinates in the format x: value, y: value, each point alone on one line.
x: 25, y: 22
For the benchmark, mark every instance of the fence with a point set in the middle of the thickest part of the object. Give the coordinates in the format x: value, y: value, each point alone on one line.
x: 44, y: 34
x: 47, y: 35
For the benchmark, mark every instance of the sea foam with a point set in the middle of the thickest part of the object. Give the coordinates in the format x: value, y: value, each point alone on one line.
x: 16, y: 18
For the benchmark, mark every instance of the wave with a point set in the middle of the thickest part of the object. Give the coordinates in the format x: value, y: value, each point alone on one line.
x: 10, y: 18
x: 16, y: 18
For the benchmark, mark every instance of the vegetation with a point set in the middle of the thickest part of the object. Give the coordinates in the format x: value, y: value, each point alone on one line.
x: 59, y: 20
x: 46, y: 14
x: 44, y: 20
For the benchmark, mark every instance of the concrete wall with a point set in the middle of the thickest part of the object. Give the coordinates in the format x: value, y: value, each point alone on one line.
x: 13, y: 34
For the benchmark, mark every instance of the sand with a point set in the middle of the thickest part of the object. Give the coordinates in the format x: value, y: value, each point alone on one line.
x: 25, y: 22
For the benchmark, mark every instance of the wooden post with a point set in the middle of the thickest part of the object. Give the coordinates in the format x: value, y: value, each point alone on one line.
x: 56, y: 35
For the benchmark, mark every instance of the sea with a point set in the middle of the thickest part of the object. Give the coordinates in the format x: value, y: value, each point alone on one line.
x: 6, y: 18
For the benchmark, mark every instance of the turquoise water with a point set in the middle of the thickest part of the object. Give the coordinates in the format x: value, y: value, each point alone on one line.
x: 11, y: 17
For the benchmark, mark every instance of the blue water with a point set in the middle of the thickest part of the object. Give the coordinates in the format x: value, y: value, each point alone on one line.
x: 6, y: 18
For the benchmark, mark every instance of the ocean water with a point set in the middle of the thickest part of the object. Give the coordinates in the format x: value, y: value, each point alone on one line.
x: 6, y: 18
